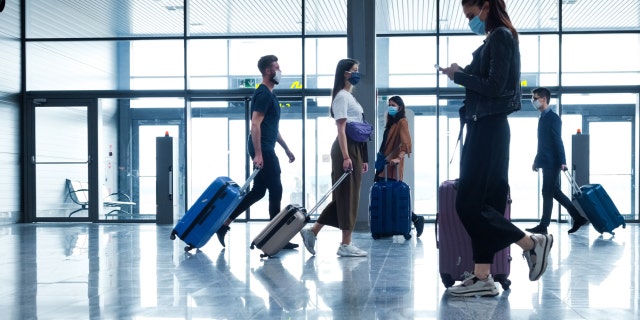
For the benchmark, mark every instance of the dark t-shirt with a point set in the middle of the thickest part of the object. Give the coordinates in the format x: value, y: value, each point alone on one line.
x: 266, y: 102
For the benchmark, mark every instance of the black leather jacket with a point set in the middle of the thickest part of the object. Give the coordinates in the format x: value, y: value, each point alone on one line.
x: 492, y: 80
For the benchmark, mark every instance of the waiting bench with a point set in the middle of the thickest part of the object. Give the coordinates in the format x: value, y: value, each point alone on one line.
x: 79, y: 193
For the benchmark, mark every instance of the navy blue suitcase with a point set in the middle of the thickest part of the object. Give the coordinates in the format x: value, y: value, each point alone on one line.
x: 595, y: 204
x: 390, y: 208
x: 210, y: 211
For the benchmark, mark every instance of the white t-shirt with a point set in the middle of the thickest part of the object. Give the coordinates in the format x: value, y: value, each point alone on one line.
x: 344, y: 105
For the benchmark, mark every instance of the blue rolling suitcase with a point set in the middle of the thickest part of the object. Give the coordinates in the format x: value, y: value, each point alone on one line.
x: 595, y: 204
x: 210, y: 211
x: 390, y: 208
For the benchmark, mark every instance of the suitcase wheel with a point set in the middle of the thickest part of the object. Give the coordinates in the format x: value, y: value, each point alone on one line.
x: 253, y: 245
x: 173, y: 235
x: 375, y: 236
x: 447, y: 280
x: 407, y: 236
x: 188, y: 248
x: 262, y: 255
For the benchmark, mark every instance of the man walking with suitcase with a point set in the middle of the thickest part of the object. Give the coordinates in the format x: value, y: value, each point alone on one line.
x: 265, y: 120
x: 551, y: 159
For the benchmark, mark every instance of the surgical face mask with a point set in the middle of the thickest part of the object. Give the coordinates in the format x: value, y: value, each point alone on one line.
x: 277, y: 77
x: 355, y: 77
x: 477, y: 25
x: 536, y: 104
x: 392, y: 110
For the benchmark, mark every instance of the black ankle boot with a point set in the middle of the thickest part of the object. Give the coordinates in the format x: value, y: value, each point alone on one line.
x: 221, y: 233
x: 419, y: 224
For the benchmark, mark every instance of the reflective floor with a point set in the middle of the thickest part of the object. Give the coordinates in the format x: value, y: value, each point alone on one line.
x: 134, y: 271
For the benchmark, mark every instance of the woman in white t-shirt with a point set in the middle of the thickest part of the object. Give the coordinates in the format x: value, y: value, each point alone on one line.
x: 346, y: 154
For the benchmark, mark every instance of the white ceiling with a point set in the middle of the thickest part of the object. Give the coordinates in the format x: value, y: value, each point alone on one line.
x: 220, y: 18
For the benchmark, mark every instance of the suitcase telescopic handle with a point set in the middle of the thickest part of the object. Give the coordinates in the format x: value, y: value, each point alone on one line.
x: 246, y: 184
x: 397, y: 165
x: 574, y: 185
x: 326, y: 195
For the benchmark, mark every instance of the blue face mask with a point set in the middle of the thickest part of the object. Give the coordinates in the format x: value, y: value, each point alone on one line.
x: 392, y: 110
x: 355, y: 77
x: 477, y: 25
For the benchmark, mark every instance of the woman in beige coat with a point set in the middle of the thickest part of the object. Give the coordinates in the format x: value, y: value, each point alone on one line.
x: 396, y: 143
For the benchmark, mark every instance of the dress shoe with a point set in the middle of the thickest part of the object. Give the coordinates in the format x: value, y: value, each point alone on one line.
x: 538, y: 229
x: 577, y: 224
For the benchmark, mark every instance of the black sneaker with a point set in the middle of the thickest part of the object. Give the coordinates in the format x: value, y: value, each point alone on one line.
x: 221, y: 233
x: 290, y: 246
x: 537, y: 229
x: 419, y: 224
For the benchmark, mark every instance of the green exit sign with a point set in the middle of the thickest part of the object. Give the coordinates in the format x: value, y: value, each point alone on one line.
x: 247, y: 83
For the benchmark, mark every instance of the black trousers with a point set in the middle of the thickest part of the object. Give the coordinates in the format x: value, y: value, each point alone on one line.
x: 484, y: 186
x: 551, y: 190
x: 267, y: 179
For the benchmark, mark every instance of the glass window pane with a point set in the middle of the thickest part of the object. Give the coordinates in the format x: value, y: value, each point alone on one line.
x: 322, y: 56
x: 245, y: 53
x: 157, y: 64
x: 86, y: 65
x: 409, y: 16
x: 456, y: 50
x: 600, y: 59
x: 79, y: 19
x: 588, y: 15
x: 245, y: 17
x: 406, y: 62
x: 539, y: 60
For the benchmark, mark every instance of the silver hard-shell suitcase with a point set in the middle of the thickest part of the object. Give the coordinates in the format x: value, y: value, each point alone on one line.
x: 287, y: 224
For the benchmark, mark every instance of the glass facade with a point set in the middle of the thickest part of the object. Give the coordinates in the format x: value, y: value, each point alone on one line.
x: 188, y: 68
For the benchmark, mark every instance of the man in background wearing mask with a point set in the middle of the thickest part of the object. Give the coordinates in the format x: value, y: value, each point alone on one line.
x: 551, y: 159
x: 265, y: 120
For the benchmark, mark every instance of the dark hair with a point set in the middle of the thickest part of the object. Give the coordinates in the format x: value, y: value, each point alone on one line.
x: 497, y: 17
x: 343, y: 66
x: 265, y: 62
x: 401, y: 114
x: 543, y: 93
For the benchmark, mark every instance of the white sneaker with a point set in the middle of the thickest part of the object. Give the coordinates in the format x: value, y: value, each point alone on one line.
x: 538, y: 256
x: 349, y: 250
x: 472, y: 286
x: 309, y: 240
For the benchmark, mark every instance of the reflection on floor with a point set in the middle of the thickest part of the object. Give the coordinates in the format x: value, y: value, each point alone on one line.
x: 126, y: 271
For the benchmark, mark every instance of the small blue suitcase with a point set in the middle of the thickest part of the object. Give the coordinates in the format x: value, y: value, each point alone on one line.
x: 210, y: 211
x: 390, y: 208
x: 595, y: 204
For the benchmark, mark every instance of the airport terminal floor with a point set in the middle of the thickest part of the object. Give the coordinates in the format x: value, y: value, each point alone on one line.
x: 134, y: 271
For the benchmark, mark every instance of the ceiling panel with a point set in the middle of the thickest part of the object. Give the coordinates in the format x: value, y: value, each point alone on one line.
x: 148, y: 18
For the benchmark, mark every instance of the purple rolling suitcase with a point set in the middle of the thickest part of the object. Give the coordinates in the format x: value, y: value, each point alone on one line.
x: 390, y: 208
x: 593, y: 202
x: 454, y: 243
x: 210, y: 211
x: 284, y: 226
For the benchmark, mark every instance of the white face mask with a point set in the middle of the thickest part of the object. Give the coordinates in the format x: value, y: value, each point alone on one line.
x: 537, y: 104
x: 277, y: 77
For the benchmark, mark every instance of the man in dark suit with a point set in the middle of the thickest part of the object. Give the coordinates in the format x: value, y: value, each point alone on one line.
x: 551, y: 159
